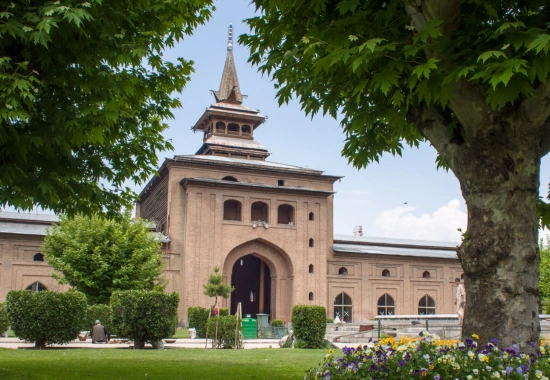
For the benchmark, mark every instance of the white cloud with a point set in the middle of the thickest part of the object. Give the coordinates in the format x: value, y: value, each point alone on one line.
x: 442, y: 225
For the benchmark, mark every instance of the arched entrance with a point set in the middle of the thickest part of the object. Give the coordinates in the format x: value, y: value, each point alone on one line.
x: 251, y: 279
x: 277, y: 280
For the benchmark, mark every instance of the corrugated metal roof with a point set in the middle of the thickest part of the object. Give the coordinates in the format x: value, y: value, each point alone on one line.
x: 24, y: 216
x: 234, y: 142
x: 244, y: 161
x: 394, y: 251
x: 255, y: 185
x: 23, y: 228
x: 392, y: 241
x: 234, y: 106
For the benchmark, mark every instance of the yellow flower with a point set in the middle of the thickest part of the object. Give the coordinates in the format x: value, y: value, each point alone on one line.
x: 330, y: 351
x: 483, y: 358
x: 475, y: 336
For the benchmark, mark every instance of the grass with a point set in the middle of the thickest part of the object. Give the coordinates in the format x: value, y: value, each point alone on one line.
x: 157, y: 364
x: 181, y: 333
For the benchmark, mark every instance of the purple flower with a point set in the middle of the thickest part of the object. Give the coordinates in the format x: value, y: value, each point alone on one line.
x: 494, y: 341
x: 401, y: 363
x: 415, y: 373
x: 519, y: 369
x: 509, y: 370
x: 437, y: 377
x: 327, y: 375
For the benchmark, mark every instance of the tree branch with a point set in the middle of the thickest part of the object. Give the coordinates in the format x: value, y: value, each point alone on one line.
x: 470, y: 107
x: 536, y: 108
x: 422, y: 11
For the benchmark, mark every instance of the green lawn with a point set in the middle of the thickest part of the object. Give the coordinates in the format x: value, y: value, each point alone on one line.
x: 157, y: 364
x: 181, y: 333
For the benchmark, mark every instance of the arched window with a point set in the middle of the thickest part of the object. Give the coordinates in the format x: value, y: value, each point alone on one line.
x: 386, y: 273
x: 246, y: 130
x: 386, y: 305
x: 462, y: 276
x: 426, y: 274
x: 311, y: 243
x: 311, y: 216
x: 311, y: 296
x: 259, y: 212
x: 36, y: 287
x: 343, y: 307
x: 285, y: 214
x: 38, y: 257
x: 343, y: 271
x: 232, y: 210
x: 426, y: 305
x: 233, y: 129
x: 229, y: 178
x: 220, y: 127
x: 310, y: 268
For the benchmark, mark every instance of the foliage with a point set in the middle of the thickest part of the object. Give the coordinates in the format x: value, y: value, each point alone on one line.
x: 223, y: 312
x: 98, y: 256
x: 277, y: 323
x: 4, y: 320
x: 309, y: 325
x: 46, y: 317
x: 98, y: 312
x: 222, y: 331
x: 544, y: 284
x: 197, y: 319
x: 330, y: 320
x: 144, y: 315
x: 427, y: 358
x: 84, y: 96
x: 215, y: 286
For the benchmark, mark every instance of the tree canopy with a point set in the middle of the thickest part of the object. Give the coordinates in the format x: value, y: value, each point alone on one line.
x: 98, y: 256
x: 468, y: 76
x: 215, y: 287
x: 84, y: 93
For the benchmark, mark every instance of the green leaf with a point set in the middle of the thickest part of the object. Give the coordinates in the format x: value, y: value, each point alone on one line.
x: 491, y: 54
x: 540, y: 43
x: 385, y: 80
x: 424, y: 69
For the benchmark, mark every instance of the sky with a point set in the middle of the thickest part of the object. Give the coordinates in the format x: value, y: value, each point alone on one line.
x: 400, y: 197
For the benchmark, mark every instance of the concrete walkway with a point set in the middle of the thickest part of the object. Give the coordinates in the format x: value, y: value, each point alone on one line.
x: 16, y: 343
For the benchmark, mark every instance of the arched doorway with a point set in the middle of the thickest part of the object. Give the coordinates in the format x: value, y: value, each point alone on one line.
x: 278, y: 270
x: 251, y: 279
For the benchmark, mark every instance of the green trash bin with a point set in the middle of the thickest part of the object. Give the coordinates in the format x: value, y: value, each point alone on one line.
x: 250, y: 328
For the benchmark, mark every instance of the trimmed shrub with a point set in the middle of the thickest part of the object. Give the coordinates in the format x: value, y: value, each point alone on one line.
x: 143, y: 316
x: 309, y: 324
x: 226, y: 326
x: 197, y: 317
x: 277, y: 323
x: 4, y: 321
x: 224, y: 312
x: 46, y: 317
x: 330, y: 320
x: 98, y: 312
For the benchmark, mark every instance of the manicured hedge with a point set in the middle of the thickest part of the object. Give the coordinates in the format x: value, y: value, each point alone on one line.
x: 46, y: 317
x: 277, y: 323
x: 309, y: 324
x: 197, y: 319
x: 4, y: 320
x: 98, y: 312
x: 144, y: 315
x: 226, y: 327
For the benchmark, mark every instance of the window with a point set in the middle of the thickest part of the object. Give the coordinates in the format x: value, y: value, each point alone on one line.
x: 285, y: 214
x: 281, y: 182
x: 259, y: 212
x: 386, y: 305
x: 311, y: 296
x: 36, y: 287
x: 229, y: 178
x: 311, y: 216
x: 343, y: 307
x: 386, y: 273
x: 232, y: 210
x: 233, y: 129
x: 426, y: 305
x: 246, y: 130
x: 220, y: 127
x: 343, y: 271
x: 426, y: 274
x: 38, y: 257
x: 311, y: 243
x: 310, y: 268
x: 462, y: 276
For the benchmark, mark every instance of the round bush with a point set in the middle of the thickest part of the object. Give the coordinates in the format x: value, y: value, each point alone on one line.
x: 309, y: 324
x: 46, y: 317
x: 277, y: 323
x: 197, y: 317
x: 4, y: 321
x: 144, y: 315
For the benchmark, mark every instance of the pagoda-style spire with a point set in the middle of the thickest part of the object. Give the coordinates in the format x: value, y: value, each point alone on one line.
x: 229, y: 91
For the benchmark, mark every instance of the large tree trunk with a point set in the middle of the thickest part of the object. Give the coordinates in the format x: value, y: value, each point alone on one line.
x: 499, y: 253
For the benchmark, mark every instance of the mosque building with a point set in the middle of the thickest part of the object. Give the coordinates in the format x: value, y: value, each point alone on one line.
x: 267, y: 226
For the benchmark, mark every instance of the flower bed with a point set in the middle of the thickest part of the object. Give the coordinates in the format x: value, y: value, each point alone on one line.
x: 431, y: 358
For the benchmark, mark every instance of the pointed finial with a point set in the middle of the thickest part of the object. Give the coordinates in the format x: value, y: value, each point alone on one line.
x: 230, y: 39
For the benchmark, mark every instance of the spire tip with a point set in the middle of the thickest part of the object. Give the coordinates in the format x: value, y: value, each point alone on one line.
x: 230, y: 39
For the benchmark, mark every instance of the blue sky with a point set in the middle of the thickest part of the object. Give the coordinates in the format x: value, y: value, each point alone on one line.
x: 373, y: 197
